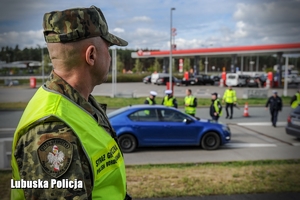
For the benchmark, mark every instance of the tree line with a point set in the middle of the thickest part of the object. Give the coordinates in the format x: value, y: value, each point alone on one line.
x: 125, y: 63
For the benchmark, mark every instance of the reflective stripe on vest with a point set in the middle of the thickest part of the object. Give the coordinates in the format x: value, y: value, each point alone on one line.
x: 217, y: 107
x: 229, y: 96
x: 189, y: 100
x: 109, y: 176
x: 297, y: 101
x: 168, y: 102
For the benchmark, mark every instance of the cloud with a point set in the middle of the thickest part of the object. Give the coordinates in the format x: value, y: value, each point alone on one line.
x: 118, y: 30
x: 23, y: 39
x: 141, y: 19
x: 270, y: 22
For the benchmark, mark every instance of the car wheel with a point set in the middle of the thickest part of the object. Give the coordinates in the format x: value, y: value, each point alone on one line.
x: 212, y: 83
x: 210, y: 141
x: 127, y: 143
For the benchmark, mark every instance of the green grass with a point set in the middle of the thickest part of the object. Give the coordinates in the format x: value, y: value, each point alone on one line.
x: 121, y: 102
x: 200, y: 179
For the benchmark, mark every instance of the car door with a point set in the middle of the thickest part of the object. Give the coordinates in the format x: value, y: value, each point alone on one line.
x: 176, y: 131
x: 147, y: 126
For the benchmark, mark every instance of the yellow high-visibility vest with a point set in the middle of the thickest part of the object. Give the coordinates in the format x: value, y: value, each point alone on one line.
x: 189, y: 100
x: 109, y: 181
x: 297, y: 101
x: 229, y: 96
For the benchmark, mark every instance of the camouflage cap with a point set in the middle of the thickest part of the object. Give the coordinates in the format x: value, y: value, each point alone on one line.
x: 78, y: 24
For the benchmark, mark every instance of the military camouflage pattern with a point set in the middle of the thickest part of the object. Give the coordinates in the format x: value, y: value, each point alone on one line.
x: 77, y: 24
x: 26, y: 153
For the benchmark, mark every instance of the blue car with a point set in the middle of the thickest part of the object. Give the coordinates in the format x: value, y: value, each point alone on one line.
x: 157, y: 125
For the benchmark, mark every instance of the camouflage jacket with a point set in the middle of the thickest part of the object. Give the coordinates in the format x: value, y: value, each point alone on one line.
x: 29, y: 164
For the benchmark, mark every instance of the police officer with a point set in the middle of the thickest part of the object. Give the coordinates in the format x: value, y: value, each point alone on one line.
x: 151, y: 99
x: 230, y: 99
x: 64, y: 133
x: 295, y: 101
x: 169, y: 100
x: 190, y: 103
x: 275, y: 104
x: 215, y: 107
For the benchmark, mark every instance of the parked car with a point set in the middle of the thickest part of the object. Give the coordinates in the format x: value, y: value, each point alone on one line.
x: 147, y: 79
x: 256, y: 81
x: 201, y: 79
x: 156, y: 76
x: 165, y: 79
x: 252, y: 82
x: 157, y: 125
x: 292, y: 79
x: 243, y: 80
x: 216, y: 78
x: 293, y: 123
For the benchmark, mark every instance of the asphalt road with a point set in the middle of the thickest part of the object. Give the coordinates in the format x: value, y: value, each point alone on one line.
x: 24, y: 93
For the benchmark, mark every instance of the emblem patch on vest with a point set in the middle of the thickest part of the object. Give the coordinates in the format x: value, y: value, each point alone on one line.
x: 55, y: 156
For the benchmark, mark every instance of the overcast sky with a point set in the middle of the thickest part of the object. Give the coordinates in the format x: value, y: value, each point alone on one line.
x: 146, y: 23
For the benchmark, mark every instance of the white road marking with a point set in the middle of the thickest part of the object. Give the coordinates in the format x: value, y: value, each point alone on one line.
x: 261, y: 124
x: 240, y: 145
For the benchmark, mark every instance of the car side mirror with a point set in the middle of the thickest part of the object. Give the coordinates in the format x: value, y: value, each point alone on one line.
x: 187, y: 120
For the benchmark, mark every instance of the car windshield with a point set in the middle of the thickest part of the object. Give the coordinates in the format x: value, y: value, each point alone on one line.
x: 116, y: 112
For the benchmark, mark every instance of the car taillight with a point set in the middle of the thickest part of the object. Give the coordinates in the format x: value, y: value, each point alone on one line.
x: 289, y: 119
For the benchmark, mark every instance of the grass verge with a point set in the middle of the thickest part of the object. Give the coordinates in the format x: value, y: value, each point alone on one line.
x: 201, y: 179
x: 121, y: 102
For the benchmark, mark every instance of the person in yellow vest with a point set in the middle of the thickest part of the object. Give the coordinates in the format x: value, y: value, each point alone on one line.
x: 215, y: 107
x: 230, y: 99
x: 169, y: 100
x: 190, y: 103
x: 64, y: 143
x: 295, y: 101
x: 151, y: 99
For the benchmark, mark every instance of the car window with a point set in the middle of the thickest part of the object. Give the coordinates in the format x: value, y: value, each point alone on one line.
x: 145, y: 115
x: 116, y: 112
x: 169, y: 115
x: 231, y: 77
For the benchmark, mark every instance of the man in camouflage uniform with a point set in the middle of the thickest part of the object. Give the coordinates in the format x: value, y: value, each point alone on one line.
x: 78, y: 42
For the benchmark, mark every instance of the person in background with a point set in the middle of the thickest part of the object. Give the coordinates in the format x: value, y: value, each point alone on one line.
x: 190, y: 103
x: 169, y: 100
x: 230, y: 99
x: 295, y: 101
x: 275, y: 104
x: 215, y: 107
x: 151, y: 99
x: 64, y: 133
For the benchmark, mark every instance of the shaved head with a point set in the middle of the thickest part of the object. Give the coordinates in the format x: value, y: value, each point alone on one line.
x: 70, y: 55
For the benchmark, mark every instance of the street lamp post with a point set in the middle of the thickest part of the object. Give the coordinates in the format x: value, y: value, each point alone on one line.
x: 171, y: 47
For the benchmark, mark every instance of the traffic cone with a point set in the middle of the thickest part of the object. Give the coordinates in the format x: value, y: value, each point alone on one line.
x: 246, y: 114
x: 221, y: 83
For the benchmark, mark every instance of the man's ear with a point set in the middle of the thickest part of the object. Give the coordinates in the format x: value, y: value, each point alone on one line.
x: 90, y: 55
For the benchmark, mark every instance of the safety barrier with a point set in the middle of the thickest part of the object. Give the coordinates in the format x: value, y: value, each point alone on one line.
x: 255, y: 93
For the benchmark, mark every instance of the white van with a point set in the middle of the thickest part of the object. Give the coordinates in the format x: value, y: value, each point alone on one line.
x: 232, y: 79
x: 156, y: 76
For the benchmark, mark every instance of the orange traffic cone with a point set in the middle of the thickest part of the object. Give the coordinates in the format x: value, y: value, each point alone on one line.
x: 246, y: 114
